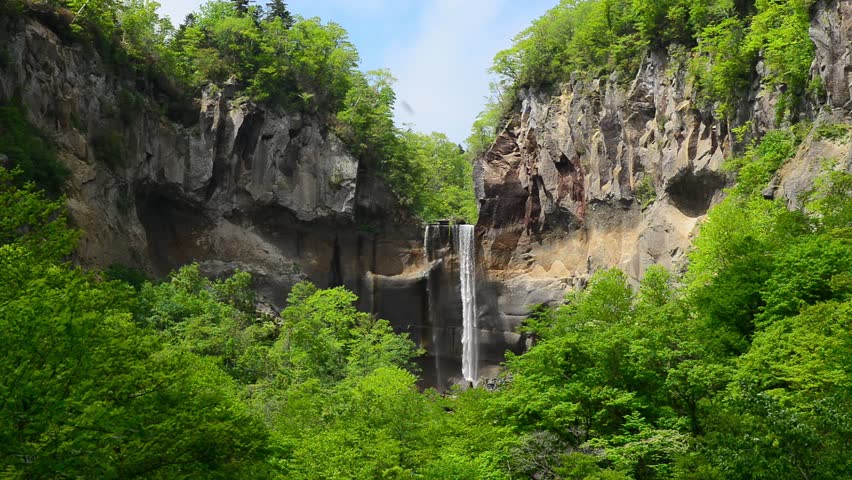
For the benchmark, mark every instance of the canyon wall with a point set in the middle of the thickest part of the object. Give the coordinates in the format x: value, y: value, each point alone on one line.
x: 594, y: 174
x: 229, y: 185
x: 236, y: 186
x: 588, y: 175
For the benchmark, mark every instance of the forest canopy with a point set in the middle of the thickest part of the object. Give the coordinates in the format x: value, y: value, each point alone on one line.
x: 737, y: 368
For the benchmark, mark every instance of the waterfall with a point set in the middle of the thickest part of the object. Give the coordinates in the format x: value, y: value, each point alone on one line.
x: 470, y: 335
x: 426, y: 242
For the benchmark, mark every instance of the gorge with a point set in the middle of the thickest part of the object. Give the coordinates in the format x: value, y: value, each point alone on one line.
x: 222, y: 258
x: 590, y: 175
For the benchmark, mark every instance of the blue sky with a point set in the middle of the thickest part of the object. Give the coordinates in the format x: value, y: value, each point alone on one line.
x: 439, y: 50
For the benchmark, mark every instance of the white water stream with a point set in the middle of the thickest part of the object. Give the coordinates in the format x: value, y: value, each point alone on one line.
x: 470, y: 335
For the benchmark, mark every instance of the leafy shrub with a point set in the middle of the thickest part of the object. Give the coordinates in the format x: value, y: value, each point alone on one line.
x: 721, y: 68
x: 831, y: 199
x: 599, y: 37
x: 759, y: 162
x: 30, y: 151
x: 645, y: 192
x: 832, y: 131
x: 431, y: 175
x: 779, y: 32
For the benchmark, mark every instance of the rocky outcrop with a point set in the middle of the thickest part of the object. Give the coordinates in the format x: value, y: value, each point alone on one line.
x: 239, y: 186
x: 598, y: 175
x: 589, y: 175
x: 831, y: 32
x: 594, y: 174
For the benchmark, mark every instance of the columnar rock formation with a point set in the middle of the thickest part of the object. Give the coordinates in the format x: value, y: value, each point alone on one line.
x: 587, y: 175
x: 225, y: 182
x: 595, y: 174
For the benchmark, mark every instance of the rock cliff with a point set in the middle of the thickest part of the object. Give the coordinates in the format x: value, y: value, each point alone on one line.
x: 238, y: 186
x: 232, y: 186
x: 584, y: 176
x: 593, y: 174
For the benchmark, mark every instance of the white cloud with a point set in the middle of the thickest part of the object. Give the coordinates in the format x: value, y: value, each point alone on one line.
x: 442, y: 72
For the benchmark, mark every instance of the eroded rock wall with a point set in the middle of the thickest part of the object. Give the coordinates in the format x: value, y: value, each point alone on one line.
x: 593, y: 174
x: 238, y: 186
x: 586, y: 176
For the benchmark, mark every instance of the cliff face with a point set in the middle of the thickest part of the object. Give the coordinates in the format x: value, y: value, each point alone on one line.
x: 595, y: 175
x: 586, y: 176
x: 239, y: 187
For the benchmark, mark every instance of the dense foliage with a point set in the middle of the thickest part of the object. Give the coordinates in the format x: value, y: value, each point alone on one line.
x: 25, y: 148
x: 740, y: 369
x: 278, y: 59
x: 726, y: 38
x: 742, y: 372
x: 179, y: 380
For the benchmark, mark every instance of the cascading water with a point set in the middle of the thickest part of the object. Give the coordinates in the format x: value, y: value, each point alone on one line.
x: 467, y: 272
x: 426, y: 241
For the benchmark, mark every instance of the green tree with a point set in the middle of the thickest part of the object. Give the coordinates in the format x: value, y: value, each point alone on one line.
x: 28, y: 150
x: 278, y: 9
x: 721, y: 68
x: 786, y: 413
x: 444, y: 188
x: 779, y: 31
x: 323, y: 336
x: 376, y: 422
x: 99, y: 13
x: 734, y: 255
x: 78, y: 375
x: 31, y: 222
x: 143, y: 32
x: 241, y: 6
x: 367, y: 119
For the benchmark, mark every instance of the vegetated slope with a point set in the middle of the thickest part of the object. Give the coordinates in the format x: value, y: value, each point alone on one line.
x: 244, y: 139
x: 615, y: 119
x: 737, y: 369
